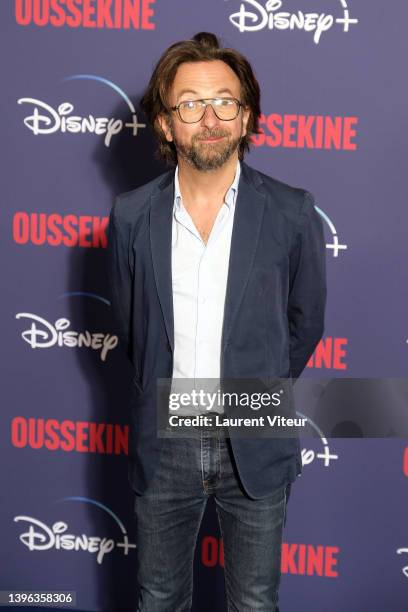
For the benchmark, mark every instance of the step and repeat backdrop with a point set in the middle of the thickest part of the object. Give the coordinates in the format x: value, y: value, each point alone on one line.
x: 333, y: 121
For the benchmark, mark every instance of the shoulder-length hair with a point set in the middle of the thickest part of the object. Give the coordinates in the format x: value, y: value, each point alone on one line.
x: 203, y: 47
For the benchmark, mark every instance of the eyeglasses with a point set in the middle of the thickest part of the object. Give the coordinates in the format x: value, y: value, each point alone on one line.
x: 192, y: 111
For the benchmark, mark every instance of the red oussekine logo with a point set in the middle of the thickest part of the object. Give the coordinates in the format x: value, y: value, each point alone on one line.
x: 310, y: 560
x: 330, y: 353
x: 297, y: 559
x: 307, y: 132
x: 55, y: 229
x: 69, y: 436
x: 105, y: 14
x: 405, y: 462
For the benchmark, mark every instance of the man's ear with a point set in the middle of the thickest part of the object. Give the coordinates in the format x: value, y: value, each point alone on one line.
x: 164, y: 124
x: 246, y: 113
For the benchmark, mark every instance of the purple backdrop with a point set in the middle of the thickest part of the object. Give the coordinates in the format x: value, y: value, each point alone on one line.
x: 333, y: 119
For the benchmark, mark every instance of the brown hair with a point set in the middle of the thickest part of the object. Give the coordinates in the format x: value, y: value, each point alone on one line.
x: 204, y: 46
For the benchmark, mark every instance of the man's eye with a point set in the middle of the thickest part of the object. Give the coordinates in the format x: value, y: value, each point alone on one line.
x: 223, y: 102
x: 189, y: 105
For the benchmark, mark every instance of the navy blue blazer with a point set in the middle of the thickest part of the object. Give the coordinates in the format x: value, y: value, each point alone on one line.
x: 273, y: 317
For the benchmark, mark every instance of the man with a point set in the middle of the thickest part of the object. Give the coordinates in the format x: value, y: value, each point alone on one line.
x: 217, y: 272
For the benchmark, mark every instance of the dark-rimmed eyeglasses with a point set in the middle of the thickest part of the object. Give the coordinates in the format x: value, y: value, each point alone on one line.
x: 192, y: 111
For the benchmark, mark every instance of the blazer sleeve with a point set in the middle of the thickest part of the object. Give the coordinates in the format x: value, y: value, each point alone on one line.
x: 120, y: 279
x: 307, y: 292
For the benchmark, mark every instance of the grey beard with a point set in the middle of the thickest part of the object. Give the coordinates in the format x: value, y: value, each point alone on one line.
x: 199, y: 158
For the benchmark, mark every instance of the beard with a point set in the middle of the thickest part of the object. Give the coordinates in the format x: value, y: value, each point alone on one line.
x: 207, y: 156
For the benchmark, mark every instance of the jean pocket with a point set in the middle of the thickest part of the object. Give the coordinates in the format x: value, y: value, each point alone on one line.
x: 287, y: 495
x: 137, y: 385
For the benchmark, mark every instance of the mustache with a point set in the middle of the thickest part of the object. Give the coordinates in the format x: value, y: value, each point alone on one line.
x: 211, y: 134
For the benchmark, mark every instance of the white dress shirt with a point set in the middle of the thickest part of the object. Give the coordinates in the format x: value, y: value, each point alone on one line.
x: 199, y: 282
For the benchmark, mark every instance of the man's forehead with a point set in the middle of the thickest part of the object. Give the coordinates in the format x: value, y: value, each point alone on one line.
x: 205, y: 78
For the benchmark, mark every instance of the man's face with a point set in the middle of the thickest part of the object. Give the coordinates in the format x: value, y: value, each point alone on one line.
x: 209, y: 143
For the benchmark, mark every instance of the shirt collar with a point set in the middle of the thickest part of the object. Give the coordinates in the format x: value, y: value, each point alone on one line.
x: 230, y: 196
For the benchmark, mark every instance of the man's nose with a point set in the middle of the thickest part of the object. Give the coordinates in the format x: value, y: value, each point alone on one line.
x: 209, y: 119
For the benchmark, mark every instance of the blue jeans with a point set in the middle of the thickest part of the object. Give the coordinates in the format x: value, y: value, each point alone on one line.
x: 168, y: 518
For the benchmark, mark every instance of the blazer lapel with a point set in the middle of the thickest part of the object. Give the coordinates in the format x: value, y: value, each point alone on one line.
x: 161, y: 217
x: 248, y: 216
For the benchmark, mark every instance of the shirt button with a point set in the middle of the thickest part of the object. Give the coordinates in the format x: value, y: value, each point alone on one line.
x: 203, y: 300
